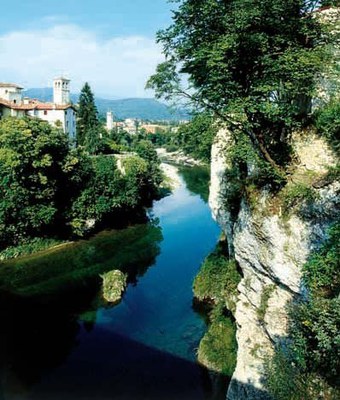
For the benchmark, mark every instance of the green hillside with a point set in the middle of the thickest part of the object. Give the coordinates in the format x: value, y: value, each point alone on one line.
x: 141, y: 108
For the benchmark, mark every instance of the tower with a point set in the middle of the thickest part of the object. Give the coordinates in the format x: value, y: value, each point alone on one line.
x: 109, y: 120
x: 61, y: 91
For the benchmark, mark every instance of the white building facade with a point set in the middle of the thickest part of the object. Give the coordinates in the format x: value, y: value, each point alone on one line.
x: 61, y: 113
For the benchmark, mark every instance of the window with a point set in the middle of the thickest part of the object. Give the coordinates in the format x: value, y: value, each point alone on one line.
x: 14, y: 101
x: 45, y: 112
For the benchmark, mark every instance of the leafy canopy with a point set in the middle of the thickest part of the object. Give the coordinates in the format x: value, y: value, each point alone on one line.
x: 252, y: 62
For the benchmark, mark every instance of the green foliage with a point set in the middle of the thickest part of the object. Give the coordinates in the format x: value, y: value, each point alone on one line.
x: 217, y: 279
x: 49, y: 190
x: 196, y: 137
x: 296, y: 194
x: 29, y: 247
x: 316, y: 336
x: 328, y: 123
x: 32, y: 158
x: 253, y: 63
x: 322, y: 271
x: 218, y: 347
x: 88, y: 128
x: 110, y: 191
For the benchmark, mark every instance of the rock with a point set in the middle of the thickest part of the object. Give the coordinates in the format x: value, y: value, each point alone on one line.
x: 114, y: 284
x: 270, y: 250
x: 177, y: 157
x: 219, y: 185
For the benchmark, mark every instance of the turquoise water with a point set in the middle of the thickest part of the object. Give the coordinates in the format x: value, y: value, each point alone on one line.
x: 67, y: 344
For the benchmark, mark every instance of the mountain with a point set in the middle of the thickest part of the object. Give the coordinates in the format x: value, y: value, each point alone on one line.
x: 141, y: 108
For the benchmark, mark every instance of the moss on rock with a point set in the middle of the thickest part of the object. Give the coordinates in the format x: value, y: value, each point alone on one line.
x: 114, y: 284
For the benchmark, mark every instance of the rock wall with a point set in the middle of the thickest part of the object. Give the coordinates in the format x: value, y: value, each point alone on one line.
x: 271, y: 250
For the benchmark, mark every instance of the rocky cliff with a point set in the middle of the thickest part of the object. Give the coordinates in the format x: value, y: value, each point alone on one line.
x: 270, y: 245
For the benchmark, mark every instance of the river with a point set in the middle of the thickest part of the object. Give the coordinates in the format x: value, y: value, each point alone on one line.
x: 60, y: 341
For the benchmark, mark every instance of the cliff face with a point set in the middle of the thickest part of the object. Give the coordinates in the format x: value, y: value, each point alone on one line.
x: 271, y: 248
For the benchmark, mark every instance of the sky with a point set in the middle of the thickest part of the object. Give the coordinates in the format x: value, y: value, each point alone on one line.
x: 108, y: 43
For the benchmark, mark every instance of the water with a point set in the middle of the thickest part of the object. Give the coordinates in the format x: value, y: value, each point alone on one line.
x: 60, y: 341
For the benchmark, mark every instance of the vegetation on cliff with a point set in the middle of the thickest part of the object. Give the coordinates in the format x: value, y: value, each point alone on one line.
x: 217, y: 280
x: 217, y: 283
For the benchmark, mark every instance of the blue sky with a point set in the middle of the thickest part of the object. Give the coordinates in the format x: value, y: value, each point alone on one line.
x: 109, y: 43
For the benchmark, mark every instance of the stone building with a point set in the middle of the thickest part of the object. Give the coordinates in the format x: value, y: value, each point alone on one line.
x: 60, y: 113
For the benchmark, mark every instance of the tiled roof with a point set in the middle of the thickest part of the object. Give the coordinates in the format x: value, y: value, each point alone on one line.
x: 12, y: 85
x: 34, y: 104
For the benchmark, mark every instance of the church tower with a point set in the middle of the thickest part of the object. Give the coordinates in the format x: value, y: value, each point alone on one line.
x: 61, y: 91
x: 109, y: 120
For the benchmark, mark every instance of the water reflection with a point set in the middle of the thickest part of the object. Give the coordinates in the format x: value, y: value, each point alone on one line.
x: 60, y: 341
x: 132, y: 250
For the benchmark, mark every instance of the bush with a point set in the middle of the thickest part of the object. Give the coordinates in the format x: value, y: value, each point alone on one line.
x: 297, y: 194
x: 217, y: 279
x: 328, y: 123
x: 218, y: 348
x: 322, y: 271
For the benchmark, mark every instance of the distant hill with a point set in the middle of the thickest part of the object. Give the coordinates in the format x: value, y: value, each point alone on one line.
x: 141, y: 108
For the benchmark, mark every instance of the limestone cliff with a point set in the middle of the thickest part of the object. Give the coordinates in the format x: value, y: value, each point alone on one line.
x: 271, y: 247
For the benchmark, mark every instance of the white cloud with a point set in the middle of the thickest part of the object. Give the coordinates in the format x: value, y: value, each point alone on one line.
x: 114, y: 67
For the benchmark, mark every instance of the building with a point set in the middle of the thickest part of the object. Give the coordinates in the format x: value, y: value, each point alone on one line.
x: 109, y: 121
x: 61, y: 113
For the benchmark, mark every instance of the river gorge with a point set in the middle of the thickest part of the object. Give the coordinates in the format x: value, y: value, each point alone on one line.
x: 60, y: 340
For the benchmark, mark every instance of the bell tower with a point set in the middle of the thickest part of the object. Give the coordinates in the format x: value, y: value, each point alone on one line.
x: 61, y: 91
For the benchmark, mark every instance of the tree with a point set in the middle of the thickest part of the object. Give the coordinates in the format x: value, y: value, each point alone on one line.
x: 252, y: 62
x: 32, y: 157
x: 87, y: 124
x: 196, y: 137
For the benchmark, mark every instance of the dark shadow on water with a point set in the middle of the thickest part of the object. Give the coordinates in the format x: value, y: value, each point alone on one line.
x: 37, y: 337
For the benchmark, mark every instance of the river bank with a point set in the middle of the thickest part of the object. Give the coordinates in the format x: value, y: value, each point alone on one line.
x: 177, y: 157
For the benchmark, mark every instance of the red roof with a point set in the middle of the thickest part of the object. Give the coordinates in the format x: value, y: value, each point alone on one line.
x: 35, y: 104
x: 12, y: 85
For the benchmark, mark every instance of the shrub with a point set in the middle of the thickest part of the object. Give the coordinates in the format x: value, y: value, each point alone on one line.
x: 328, y: 123
x: 218, y: 348
x: 322, y: 271
x: 296, y: 194
x: 217, y: 279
